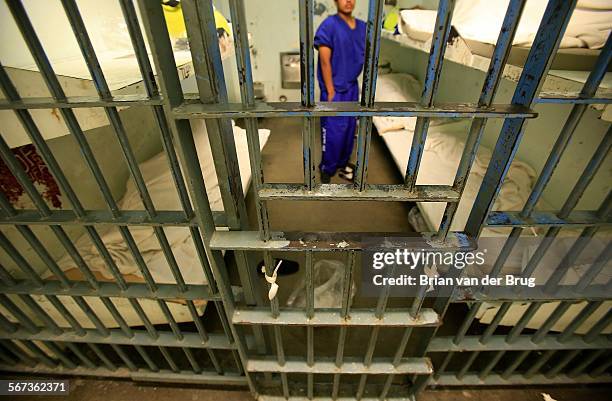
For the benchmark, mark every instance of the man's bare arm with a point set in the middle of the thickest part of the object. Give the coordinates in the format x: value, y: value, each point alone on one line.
x: 325, y: 54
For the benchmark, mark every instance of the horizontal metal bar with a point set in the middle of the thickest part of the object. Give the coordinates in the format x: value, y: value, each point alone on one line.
x: 117, y: 336
x: 381, y: 192
x: 110, y: 289
x: 197, y: 110
x: 450, y: 379
x: 575, y: 97
x: 546, y: 218
x: 104, y: 217
x: 330, y: 241
x: 380, y: 366
x: 74, y: 102
x: 163, y: 375
x: 592, y: 292
x: 498, y: 343
x: 391, y: 318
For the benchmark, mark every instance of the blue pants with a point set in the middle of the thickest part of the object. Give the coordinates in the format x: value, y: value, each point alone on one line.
x: 338, y: 134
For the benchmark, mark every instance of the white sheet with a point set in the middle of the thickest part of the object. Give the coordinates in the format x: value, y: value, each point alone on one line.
x: 439, y: 164
x: 161, y: 187
x: 481, y: 20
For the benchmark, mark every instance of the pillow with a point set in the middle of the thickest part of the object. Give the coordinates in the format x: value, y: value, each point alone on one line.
x: 396, y: 88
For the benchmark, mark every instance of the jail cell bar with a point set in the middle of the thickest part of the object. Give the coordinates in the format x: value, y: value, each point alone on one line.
x: 73, y: 348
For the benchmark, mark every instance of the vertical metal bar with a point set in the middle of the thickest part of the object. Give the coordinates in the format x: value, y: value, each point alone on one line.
x: 59, y: 354
x: 503, y: 309
x: 206, y: 56
x: 40, y: 314
x: 345, y: 313
x: 306, y: 11
x: 559, y: 366
x: 467, y: 322
x: 570, y: 257
x: 117, y: 316
x: 310, y: 314
x: 18, y: 352
x: 599, y: 370
x: 38, y: 353
x: 80, y: 355
x: 245, y: 78
x: 91, y: 315
x: 6, y: 325
x: 515, y: 364
x: 107, y: 362
x: 491, y: 364
x: 525, y: 318
x: 204, y: 47
x: 195, y: 366
x: 6, y: 358
x: 537, y: 365
x: 546, y: 42
x: 61, y: 308
x: 19, y: 260
x: 491, y: 83
x: 602, y: 259
x: 593, y: 355
x: 170, y: 319
x: 598, y: 327
x: 432, y: 74
x: 466, y: 366
x: 584, y: 314
x: 368, y: 92
x: 143, y: 317
x: 550, y: 321
x: 379, y: 312
x: 447, y: 358
x: 124, y: 357
x: 21, y: 317
x: 143, y: 354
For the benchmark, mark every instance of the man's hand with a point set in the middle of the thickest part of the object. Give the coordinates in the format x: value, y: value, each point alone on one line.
x: 325, y: 54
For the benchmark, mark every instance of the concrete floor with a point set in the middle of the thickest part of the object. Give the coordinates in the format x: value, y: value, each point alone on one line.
x: 282, y: 163
x: 121, y: 390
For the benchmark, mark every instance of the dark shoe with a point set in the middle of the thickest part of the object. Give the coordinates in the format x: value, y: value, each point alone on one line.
x: 325, y: 178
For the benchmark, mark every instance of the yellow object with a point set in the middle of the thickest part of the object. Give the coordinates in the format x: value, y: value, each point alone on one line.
x: 221, y: 22
x: 391, y: 20
x: 176, y: 23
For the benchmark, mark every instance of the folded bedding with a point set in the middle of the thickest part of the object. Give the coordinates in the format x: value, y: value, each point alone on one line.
x: 481, y: 20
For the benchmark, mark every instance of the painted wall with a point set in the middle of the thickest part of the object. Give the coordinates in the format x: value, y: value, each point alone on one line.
x: 274, y: 29
x: 462, y: 84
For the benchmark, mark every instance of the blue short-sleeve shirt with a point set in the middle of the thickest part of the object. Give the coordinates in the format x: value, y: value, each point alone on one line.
x: 348, y: 51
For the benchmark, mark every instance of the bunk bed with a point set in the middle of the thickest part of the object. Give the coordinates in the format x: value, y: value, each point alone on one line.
x: 442, y: 151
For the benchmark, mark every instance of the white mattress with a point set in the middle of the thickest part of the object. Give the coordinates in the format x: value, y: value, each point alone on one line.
x: 161, y: 187
x: 440, y: 160
x: 481, y: 20
x: 442, y: 152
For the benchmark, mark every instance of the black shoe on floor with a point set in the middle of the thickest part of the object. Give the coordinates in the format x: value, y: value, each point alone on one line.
x: 325, y: 178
